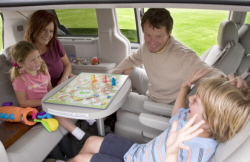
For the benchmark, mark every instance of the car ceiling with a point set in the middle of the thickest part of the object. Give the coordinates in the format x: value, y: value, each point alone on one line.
x: 236, y: 5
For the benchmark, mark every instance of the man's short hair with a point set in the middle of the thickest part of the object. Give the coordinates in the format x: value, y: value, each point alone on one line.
x: 157, y: 18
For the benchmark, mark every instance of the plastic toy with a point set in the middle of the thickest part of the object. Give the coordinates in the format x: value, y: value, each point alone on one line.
x: 28, y: 116
x: 95, y: 61
x: 50, y: 124
x: 17, y: 114
x: 8, y: 104
x: 79, y: 61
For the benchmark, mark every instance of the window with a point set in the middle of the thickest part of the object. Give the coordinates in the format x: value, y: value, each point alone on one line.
x: 85, y: 22
x: 197, y: 29
x: 127, y: 23
x: 247, y: 18
x: 77, y: 22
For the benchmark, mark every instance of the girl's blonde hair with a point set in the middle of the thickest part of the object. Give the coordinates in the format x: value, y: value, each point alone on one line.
x: 226, y: 107
x: 19, y: 52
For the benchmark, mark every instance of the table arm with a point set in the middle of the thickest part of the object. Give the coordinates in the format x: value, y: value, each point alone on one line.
x: 158, y: 108
x: 154, y: 121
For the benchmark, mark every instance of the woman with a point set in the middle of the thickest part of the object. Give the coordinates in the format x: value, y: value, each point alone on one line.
x: 41, y: 30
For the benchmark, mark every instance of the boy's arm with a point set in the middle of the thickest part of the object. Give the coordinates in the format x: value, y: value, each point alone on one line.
x: 23, y: 102
x: 181, y: 98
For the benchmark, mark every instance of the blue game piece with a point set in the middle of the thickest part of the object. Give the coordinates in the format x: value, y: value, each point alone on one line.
x: 113, y: 82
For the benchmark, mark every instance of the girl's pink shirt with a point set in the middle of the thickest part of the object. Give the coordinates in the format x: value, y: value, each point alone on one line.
x: 35, y: 87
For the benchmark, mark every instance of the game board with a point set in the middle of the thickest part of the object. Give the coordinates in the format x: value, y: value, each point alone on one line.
x: 91, y: 90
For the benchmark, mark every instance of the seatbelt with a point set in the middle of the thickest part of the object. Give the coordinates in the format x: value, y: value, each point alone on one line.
x: 227, y: 47
x: 245, y: 74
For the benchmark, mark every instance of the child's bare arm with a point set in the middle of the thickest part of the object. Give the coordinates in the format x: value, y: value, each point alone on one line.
x: 181, y: 98
x: 23, y: 102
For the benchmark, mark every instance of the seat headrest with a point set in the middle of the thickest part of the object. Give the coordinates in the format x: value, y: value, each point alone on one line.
x: 7, y: 53
x: 227, y: 32
x: 244, y: 38
x: 7, y: 93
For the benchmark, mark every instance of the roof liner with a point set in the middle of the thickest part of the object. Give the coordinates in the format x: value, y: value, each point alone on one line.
x: 19, y: 3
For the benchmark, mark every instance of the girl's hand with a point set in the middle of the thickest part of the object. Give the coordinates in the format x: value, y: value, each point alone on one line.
x: 196, y: 75
x: 176, y: 138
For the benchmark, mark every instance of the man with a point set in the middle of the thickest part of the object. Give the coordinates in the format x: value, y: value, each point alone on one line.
x: 167, y: 63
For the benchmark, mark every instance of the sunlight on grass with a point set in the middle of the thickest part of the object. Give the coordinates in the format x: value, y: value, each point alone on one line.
x: 197, y: 29
x: 87, y: 17
x: 126, y: 18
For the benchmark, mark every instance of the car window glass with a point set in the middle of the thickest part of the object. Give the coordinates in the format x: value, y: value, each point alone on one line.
x: 127, y: 23
x: 247, y: 21
x: 77, y: 22
x: 197, y: 29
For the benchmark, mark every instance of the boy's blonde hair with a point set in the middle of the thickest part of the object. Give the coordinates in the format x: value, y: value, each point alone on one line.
x: 226, y: 107
x: 19, y: 52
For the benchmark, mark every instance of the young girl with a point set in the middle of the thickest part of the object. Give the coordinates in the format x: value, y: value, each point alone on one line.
x: 224, y: 108
x: 31, y: 81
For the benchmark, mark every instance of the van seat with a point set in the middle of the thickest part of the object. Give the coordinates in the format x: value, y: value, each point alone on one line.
x: 226, y: 55
x: 244, y: 39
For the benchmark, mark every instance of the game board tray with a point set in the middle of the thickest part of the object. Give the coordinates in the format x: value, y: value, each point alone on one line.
x: 89, y: 90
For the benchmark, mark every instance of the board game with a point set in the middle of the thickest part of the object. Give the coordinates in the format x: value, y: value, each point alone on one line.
x: 91, y: 90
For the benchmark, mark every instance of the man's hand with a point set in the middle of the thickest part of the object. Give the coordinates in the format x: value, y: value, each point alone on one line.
x: 238, y: 81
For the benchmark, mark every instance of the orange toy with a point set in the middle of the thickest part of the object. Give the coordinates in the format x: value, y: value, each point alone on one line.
x: 17, y: 114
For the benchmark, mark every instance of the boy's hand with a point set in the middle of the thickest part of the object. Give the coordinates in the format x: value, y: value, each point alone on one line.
x: 176, y: 138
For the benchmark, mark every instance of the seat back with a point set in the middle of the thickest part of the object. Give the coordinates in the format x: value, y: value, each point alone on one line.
x: 7, y: 93
x: 244, y: 39
x: 227, y: 54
